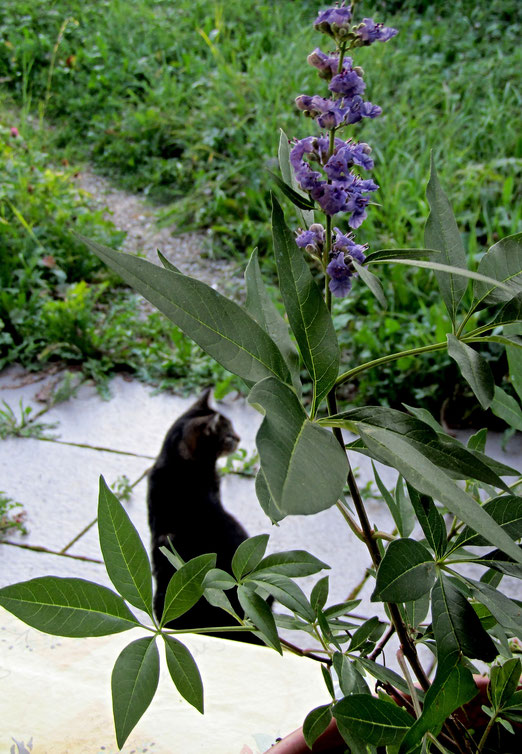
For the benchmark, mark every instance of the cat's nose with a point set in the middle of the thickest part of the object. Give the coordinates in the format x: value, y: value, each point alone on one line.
x: 236, y: 438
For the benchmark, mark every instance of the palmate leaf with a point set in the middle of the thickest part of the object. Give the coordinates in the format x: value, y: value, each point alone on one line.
x: 373, y: 720
x: 475, y: 370
x: 304, y: 466
x: 452, y: 687
x: 291, y: 563
x: 285, y: 591
x: 456, y: 626
x: 442, y: 233
x: 186, y: 586
x: 184, y: 672
x: 265, y: 499
x: 134, y: 682
x: 507, y: 612
x: 447, y: 453
x: 125, y: 557
x: 316, y: 722
x: 68, y: 607
x: 426, y: 477
x: 507, y: 408
x: 307, y: 313
x: 221, y: 327
x: 372, y: 281
x: 503, y: 262
x: 431, y: 521
x: 257, y: 610
x: 378, y: 256
x: 248, y: 555
x: 263, y: 310
x: 406, y: 572
x: 506, y: 510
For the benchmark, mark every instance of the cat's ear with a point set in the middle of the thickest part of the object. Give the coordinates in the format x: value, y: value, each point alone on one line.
x: 203, y: 400
x: 211, y: 426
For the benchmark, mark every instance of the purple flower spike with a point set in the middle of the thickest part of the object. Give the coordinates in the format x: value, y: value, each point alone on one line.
x: 327, y: 65
x: 340, y: 276
x: 312, y: 239
x: 347, y: 83
x: 369, y: 32
x: 334, y: 21
x: 346, y: 244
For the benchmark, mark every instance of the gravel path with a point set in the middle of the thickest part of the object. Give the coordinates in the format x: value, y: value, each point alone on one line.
x: 137, y: 218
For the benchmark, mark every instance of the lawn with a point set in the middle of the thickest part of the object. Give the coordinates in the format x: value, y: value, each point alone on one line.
x: 183, y: 101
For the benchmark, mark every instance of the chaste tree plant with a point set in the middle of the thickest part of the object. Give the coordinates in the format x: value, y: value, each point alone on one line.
x: 457, y: 496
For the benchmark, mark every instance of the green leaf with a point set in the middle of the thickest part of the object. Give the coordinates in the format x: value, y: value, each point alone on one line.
x: 417, y: 610
x: 307, y: 216
x: 426, y: 477
x: 257, y: 610
x: 134, y: 682
x: 319, y: 594
x: 184, y: 672
x: 445, y: 452
x: 371, y: 630
x: 167, y: 263
x: 402, y: 514
x: 501, y: 563
x: 265, y: 499
x: 373, y: 720
x: 511, y: 312
x: 292, y: 563
x: 431, y: 521
x: 125, y: 557
x: 441, y: 233
x: 503, y: 262
x: 304, y: 466
x: 504, y: 681
x: 216, y: 578
x: 514, y: 356
x: 372, y: 282
x: 285, y: 591
x: 221, y: 327
x: 456, y: 626
x: 475, y: 370
x: 386, y: 675
x: 455, y: 272
x: 248, y: 555
x: 186, y: 586
x: 383, y: 254
x: 507, y: 408
x: 316, y: 722
x: 506, y: 510
x: 295, y: 197
x: 350, y: 679
x: 263, y: 310
x: 307, y: 313
x: 507, y: 612
x: 478, y: 440
x: 67, y: 607
x: 406, y: 572
x: 452, y: 687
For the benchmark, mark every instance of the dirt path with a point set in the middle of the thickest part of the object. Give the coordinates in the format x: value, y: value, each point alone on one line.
x: 136, y: 217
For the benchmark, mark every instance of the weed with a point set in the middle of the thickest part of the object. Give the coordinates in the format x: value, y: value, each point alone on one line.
x: 22, y: 425
x: 239, y: 462
x: 12, y: 515
x: 122, y: 488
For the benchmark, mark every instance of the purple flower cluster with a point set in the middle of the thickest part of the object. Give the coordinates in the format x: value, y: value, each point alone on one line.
x: 368, y: 32
x: 323, y: 165
x: 336, y: 189
x: 347, y: 106
x: 340, y: 270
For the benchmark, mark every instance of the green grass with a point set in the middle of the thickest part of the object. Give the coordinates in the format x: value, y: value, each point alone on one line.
x: 183, y: 101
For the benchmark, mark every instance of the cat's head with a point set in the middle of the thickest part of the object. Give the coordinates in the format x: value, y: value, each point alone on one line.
x: 206, y: 432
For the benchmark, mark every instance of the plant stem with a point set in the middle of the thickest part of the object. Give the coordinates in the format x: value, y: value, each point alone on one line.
x: 486, y: 733
x: 386, y: 359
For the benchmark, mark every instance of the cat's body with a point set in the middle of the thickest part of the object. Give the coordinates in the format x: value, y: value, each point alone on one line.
x: 184, y: 506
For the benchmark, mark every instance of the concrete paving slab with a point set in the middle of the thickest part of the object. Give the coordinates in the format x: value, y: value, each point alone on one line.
x: 58, y: 486
x: 59, y: 696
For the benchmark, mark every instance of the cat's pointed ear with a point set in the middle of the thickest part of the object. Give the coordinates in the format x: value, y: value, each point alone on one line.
x: 203, y: 400
x: 212, y: 425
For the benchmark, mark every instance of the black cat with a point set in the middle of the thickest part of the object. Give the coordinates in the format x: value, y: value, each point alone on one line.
x: 184, y: 506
